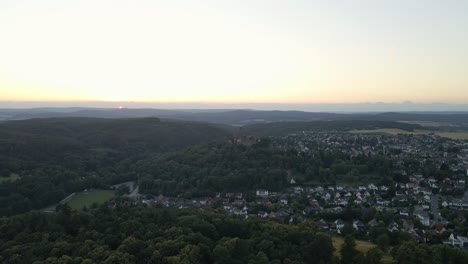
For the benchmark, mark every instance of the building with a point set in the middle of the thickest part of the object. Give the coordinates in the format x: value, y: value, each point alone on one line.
x: 262, y: 193
x: 423, y: 217
x: 457, y: 241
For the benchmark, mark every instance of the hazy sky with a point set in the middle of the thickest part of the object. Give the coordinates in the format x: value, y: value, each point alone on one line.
x: 235, y: 51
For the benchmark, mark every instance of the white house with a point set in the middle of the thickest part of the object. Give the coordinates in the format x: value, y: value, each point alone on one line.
x: 262, y: 193
x: 457, y: 241
x: 339, y: 224
x: 262, y: 214
x: 423, y: 217
x: 458, y: 203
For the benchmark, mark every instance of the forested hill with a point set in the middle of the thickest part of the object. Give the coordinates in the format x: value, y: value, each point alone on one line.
x: 224, y: 167
x: 56, y: 156
x: 284, y: 128
x: 35, y: 141
x: 99, y: 132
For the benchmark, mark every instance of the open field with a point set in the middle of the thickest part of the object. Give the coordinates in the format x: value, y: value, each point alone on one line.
x: 89, y: 197
x: 391, y: 131
x: 11, y: 178
x: 462, y: 135
x: 429, y: 123
x: 361, y: 246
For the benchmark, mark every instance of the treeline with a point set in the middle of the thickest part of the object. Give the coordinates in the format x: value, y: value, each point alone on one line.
x: 411, y: 252
x: 284, y: 128
x: 57, y: 156
x: 206, y: 169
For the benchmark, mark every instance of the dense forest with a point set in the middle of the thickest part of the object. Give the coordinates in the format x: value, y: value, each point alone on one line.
x: 153, y: 235
x: 206, y: 169
x: 57, y: 156
x: 150, y: 235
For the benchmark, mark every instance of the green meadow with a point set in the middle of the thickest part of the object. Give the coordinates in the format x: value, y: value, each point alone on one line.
x: 89, y: 197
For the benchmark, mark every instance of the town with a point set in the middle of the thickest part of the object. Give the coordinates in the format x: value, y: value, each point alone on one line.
x: 414, y: 203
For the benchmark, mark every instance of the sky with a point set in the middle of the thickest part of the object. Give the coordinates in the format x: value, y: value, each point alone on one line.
x: 231, y: 52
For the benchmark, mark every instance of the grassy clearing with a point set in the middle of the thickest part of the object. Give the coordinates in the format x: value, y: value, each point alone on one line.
x: 461, y: 135
x: 361, y: 246
x: 90, y: 197
x: 13, y: 177
x: 391, y: 131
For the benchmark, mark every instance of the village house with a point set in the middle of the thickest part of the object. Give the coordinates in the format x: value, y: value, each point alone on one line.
x: 423, y: 217
x: 457, y: 241
x: 262, y: 193
x: 404, y: 213
x: 262, y: 214
x: 339, y: 224
x: 373, y: 223
x: 408, y: 225
x: 359, y: 226
x: 393, y: 227
x: 323, y: 224
x: 438, y: 229
x: 459, y: 203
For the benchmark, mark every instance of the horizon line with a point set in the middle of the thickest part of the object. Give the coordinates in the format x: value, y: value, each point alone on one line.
x: 363, y: 107
x: 406, y: 102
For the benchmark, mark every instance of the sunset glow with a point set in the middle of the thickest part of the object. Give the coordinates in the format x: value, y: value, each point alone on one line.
x: 234, y: 51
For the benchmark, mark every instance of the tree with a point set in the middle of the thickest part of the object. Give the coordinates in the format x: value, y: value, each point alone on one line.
x: 347, y: 229
x: 117, y: 257
x: 348, y: 250
x: 132, y: 246
x: 221, y: 254
x: 122, y: 190
x: 410, y: 252
x: 190, y: 254
x: 321, y: 249
x: 260, y: 258
x: 374, y: 256
x: 383, y: 241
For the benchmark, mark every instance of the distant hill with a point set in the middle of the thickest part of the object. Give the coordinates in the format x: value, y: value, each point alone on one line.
x: 61, y: 140
x: 233, y: 117
x: 446, y: 117
x: 19, y: 114
x: 284, y: 128
x: 114, y: 133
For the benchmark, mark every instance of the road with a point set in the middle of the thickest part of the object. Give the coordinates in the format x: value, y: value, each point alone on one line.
x: 435, y: 207
x: 132, y: 186
x: 135, y: 192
